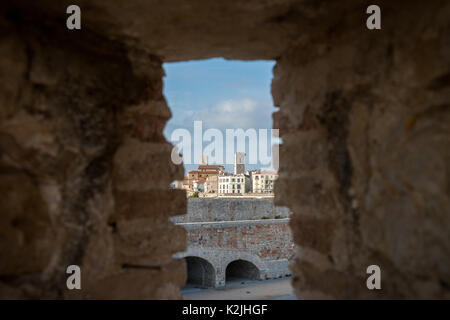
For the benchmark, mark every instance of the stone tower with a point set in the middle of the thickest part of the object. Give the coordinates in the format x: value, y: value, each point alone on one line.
x: 239, y: 162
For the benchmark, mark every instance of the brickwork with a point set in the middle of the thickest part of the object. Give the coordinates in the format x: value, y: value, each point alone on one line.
x: 265, y: 243
x: 226, y: 209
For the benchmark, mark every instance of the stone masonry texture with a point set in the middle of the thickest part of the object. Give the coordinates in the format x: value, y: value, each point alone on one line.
x: 221, y: 231
x: 228, y: 209
x: 267, y: 244
x: 364, y: 117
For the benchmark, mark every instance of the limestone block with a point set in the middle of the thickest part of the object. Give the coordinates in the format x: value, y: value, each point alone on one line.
x: 159, y: 282
x: 147, y: 241
x: 140, y: 166
x: 152, y: 203
x: 146, y: 122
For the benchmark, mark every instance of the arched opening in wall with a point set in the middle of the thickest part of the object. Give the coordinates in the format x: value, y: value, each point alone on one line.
x: 222, y: 132
x: 200, y: 273
x: 241, y: 270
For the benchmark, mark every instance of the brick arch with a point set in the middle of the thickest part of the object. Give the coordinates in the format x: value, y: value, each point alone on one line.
x: 256, y: 261
x: 196, y: 252
x: 200, y: 272
x: 242, y: 269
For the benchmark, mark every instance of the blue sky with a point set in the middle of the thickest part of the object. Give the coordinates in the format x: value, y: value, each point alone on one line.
x: 223, y: 94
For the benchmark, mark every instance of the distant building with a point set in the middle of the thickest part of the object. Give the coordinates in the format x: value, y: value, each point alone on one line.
x: 199, y: 185
x: 239, y: 162
x: 263, y: 181
x: 198, y: 174
x: 209, y: 167
x: 212, y: 179
x: 212, y: 184
x: 237, y: 183
x: 234, y: 184
x: 197, y: 180
x: 186, y: 184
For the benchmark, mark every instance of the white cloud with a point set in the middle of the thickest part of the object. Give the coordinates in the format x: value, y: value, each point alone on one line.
x: 231, y: 114
x: 227, y: 114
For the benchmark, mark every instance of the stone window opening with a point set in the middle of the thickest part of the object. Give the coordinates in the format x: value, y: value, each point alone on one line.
x: 363, y: 116
x: 234, y: 185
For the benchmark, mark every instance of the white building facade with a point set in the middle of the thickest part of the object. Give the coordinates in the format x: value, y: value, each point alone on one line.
x: 234, y: 184
x: 199, y: 186
x: 263, y: 181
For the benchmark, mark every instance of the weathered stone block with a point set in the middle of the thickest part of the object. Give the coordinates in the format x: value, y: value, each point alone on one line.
x: 140, y: 166
x: 161, y: 282
x: 148, y: 241
x: 163, y: 203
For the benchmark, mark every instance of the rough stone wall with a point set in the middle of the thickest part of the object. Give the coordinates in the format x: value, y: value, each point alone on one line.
x: 81, y: 122
x: 364, y: 117
x: 268, y: 239
x: 221, y: 231
x: 265, y: 243
x: 202, y: 210
x: 365, y: 161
